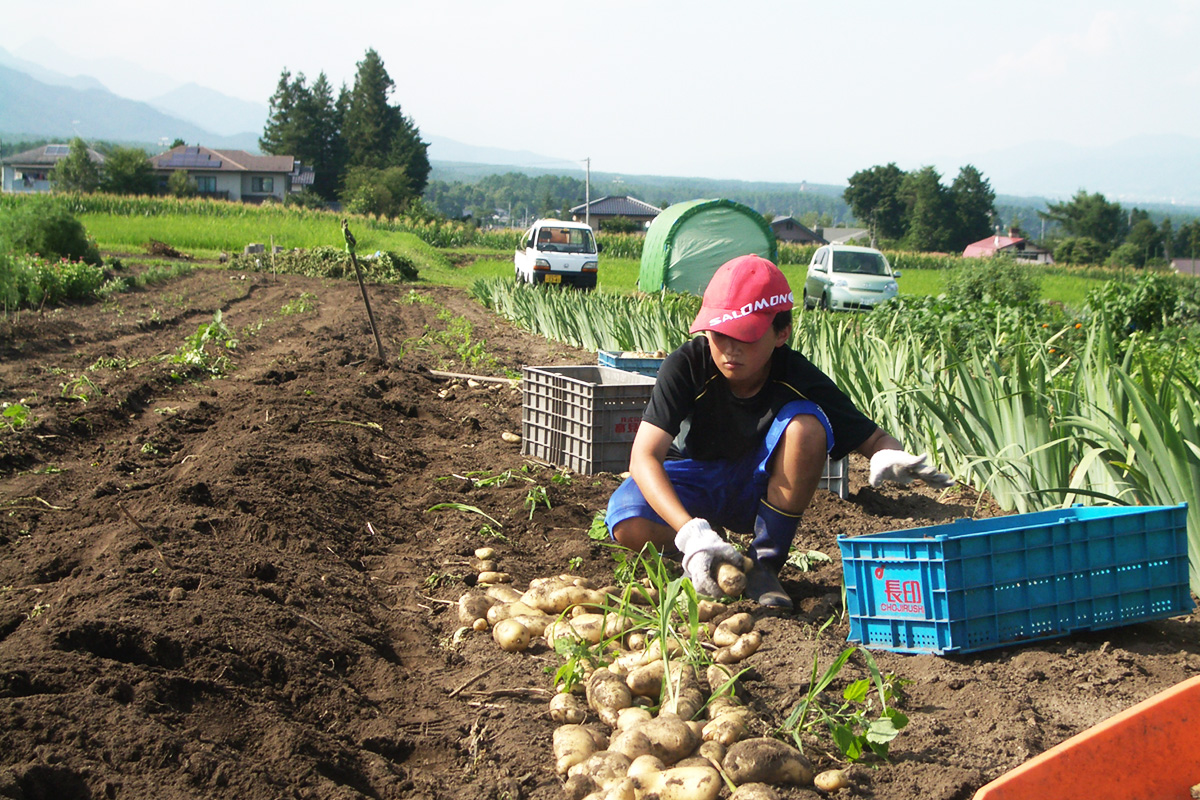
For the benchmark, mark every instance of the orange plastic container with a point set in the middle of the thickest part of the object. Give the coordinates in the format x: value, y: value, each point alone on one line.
x: 1148, y: 752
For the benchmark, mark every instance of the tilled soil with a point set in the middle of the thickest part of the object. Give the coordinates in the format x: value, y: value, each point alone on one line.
x: 238, y: 586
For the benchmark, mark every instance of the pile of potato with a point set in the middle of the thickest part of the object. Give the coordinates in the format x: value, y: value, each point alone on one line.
x: 610, y: 744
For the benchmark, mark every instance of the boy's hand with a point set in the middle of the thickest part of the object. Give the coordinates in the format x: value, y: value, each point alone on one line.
x: 702, y: 551
x: 904, y: 468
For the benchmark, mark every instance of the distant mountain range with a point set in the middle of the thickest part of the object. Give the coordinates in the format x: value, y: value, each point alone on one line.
x: 37, y: 102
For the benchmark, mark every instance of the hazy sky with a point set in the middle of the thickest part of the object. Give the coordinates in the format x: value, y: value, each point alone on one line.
x: 782, y: 91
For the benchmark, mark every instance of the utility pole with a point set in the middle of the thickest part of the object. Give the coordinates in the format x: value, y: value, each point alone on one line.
x: 587, y: 192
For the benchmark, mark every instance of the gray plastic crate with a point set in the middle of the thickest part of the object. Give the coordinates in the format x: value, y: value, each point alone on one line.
x: 582, y: 417
x: 836, y: 477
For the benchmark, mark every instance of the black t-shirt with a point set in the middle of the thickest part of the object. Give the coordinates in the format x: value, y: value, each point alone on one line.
x: 692, y: 401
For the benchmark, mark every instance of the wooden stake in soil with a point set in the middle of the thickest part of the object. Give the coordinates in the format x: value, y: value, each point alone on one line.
x: 350, y: 243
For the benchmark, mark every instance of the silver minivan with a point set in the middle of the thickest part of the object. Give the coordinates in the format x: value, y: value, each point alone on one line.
x: 843, y: 277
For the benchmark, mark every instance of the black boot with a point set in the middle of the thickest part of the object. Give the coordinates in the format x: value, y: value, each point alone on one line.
x: 773, y: 534
x: 764, y: 588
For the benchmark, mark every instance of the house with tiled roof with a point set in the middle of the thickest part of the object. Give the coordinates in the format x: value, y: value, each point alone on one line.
x: 1186, y: 266
x: 1012, y: 245
x: 790, y: 229
x: 612, y: 206
x: 231, y: 174
x: 29, y: 171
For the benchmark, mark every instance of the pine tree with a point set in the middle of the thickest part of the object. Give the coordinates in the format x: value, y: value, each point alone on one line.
x: 974, y: 201
x: 277, y: 138
x: 377, y: 135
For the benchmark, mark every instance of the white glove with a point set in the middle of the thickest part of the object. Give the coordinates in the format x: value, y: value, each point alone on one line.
x: 903, y: 468
x: 702, y: 551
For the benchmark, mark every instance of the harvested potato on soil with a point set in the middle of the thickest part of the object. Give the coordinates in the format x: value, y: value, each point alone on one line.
x: 566, y: 708
x: 726, y: 729
x: 746, y: 645
x: 574, y: 744
x: 606, y: 695
x: 671, y: 739
x: 493, y: 577
x: 766, y: 760
x: 473, y: 606
x: 604, y: 767
x: 645, y: 763
x: 646, y: 680
x: 831, y: 780
x: 754, y: 791
x: 729, y: 629
x: 485, y: 553
x: 503, y: 593
x: 577, y: 787
x: 680, y: 783
x: 511, y: 635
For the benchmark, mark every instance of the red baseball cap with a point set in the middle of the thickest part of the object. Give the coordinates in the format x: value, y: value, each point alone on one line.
x: 742, y: 298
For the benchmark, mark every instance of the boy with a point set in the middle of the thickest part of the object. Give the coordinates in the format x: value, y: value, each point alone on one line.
x: 737, y: 431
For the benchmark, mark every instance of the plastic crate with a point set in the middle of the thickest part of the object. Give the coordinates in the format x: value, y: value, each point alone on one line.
x: 642, y: 366
x: 975, y: 584
x: 836, y: 477
x: 583, y: 418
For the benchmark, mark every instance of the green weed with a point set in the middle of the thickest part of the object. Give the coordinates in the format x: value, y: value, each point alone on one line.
x: 81, y: 388
x: 307, y: 301
x: 15, y: 416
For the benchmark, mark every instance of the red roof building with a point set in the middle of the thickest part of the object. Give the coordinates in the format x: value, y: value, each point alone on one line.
x: 1011, y: 245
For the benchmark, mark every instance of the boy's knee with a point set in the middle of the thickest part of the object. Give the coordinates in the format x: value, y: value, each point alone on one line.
x: 636, y: 532
x: 806, y: 437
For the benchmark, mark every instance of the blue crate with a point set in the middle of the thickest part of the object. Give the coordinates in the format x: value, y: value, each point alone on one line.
x: 976, y: 584
x: 642, y: 366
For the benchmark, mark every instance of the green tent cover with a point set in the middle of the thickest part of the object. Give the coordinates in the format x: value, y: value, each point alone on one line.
x: 688, y: 241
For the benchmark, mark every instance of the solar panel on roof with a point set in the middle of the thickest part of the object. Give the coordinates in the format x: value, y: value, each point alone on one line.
x: 57, y: 149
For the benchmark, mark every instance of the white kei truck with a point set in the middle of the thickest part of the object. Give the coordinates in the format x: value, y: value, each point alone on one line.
x: 558, y: 252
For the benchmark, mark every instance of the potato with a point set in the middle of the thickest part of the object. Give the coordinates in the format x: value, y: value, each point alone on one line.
x: 511, y: 635
x: 605, y: 767
x: 587, y: 627
x: 485, y: 554
x: 577, y: 787
x: 636, y: 640
x: 719, y: 705
x: 680, y: 783
x: 707, y: 609
x: 730, y: 628
x: 670, y: 737
x: 622, y: 790
x: 479, y: 625
x: 647, y: 679
x: 713, y: 751
x: 731, y: 580
x: 503, y: 593
x: 831, y: 780
x: 746, y: 645
x: 726, y: 729
x: 606, y: 695
x: 632, y: 742
x: 486, y: 566
x: 574, y: 744
x: 566, y: 708
x: 645, y: 763
x: 534, y: 623
x: 473, y: 606
x: 687, y: 702
x: 501, y: 611
x: 754, y: 791
x: 765, y: 760
x: 493, y: 577
x: 631, y: 717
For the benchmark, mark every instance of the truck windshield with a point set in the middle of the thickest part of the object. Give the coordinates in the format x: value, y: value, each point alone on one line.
x: 860, y: 263
x: 566, y: 240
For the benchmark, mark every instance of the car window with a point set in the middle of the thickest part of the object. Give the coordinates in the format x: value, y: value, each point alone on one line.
x: 859, y: 263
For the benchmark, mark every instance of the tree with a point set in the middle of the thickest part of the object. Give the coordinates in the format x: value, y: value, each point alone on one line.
x: 128, y: 171
x: 873, y: 195
x: 1080, y: 250
x: 1089, y: 215
x: 279, y: 134
x: 973, y: 201
x: 180, y: 185
x: 1144, y: 241
x: 378, y: 192
x: 928, y: 210
x: 377, y: 135
x: 76, y: 172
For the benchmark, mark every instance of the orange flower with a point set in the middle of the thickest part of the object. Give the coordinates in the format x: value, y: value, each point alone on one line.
x: 1078, y: 325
